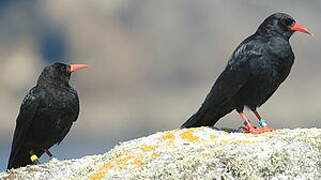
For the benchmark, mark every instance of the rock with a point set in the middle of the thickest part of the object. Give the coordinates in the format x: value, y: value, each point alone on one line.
x: 196, y: 153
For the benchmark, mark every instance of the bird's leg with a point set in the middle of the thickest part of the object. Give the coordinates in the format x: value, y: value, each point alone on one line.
x: 51, y: 156
x: 34, y: 158
x: 48, y: 153
x: 262, y: 122
x: 248, y: 127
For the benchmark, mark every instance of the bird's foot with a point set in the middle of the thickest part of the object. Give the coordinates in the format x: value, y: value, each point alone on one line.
x: 265, y: 128
x: 249, y: 128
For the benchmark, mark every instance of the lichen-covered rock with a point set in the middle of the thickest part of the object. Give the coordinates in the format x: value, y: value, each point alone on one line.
x: 197, y: 153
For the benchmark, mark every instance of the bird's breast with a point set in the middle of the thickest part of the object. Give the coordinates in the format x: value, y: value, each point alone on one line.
x: 56, y: 112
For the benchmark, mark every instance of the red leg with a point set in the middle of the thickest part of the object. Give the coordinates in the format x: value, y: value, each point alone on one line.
x: 244, y: 117
x: 264, y: 126
x: 257, y: 115
x: 47, y: 152
x: 249, y: 128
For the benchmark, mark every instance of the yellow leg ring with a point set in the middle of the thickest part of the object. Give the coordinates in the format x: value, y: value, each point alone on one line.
x: 34, y: 158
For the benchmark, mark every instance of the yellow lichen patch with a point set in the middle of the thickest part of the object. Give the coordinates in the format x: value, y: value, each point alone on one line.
x: 119, y: 162
x: 250, y: 135
x: 225, y: 141
x: 123, y: 162
x: 122, y: 159
x: 170, y: 142
x: 148, y: 148
x: 225, y: 132
x: 244, y: 141
x: 155, y: 155
x: 107, y: 166
x: 98, y: 175
x: 167, y: 146
x: 167, y: 136
x: 267, y: 134
x: 213, y: 137
x: 138, y: 162
x: 205, y: 154
x: 188, y: 135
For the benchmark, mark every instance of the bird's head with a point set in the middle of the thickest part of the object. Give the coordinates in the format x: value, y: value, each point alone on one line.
x: 282, y: 24
x: 58, y: 73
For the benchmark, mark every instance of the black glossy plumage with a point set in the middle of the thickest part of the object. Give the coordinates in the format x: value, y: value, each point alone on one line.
x: 254, y: 71
x: 46, y: 115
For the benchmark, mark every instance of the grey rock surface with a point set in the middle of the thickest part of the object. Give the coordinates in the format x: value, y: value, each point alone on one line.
x: 197, y: 153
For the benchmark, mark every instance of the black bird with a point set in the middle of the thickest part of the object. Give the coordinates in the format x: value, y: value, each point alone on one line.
x: 254, y: 71
x: 46, y: 115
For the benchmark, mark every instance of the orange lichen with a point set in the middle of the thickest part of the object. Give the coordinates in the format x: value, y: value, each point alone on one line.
x: 205, y: 154
x: 170, y: 142
x: 123, y: 160
x: 107, y: 166
x: 137, y: 162
x: 167, y: 136
x: 120, y: 161
x: 188, y: 135
x: 244, y: 141
x: 148, y: 148
x: 98, y: 175
x: 155, y: 155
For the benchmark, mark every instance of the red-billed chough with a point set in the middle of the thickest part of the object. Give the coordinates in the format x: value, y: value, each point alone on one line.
x: 46, y: 115
x: 254, y: 71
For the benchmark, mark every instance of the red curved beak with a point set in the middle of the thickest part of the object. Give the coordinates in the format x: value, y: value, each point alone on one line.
x: 299, y: 27
x: 76, y: 67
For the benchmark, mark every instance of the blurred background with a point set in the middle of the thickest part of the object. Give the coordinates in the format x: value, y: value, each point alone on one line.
x: 151, y: 63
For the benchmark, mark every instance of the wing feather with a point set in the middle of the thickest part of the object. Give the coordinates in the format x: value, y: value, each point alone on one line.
x: 27, y: 112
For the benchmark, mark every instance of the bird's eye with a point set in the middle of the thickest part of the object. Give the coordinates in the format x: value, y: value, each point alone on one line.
x: 287, y: 22
x: 63, y: 68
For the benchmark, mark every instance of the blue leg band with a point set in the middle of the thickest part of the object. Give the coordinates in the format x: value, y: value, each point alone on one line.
x: 262, y: 122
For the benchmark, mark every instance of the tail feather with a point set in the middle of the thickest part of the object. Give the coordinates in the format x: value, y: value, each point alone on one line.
x: 201, y: 119
x: 206, y: 116
x: 21, y: 157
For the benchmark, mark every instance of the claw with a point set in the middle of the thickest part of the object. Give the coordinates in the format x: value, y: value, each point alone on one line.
x: 249, y: 128
x: 265, y: 129
x: 252, y: 131
x: 264, y: 126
